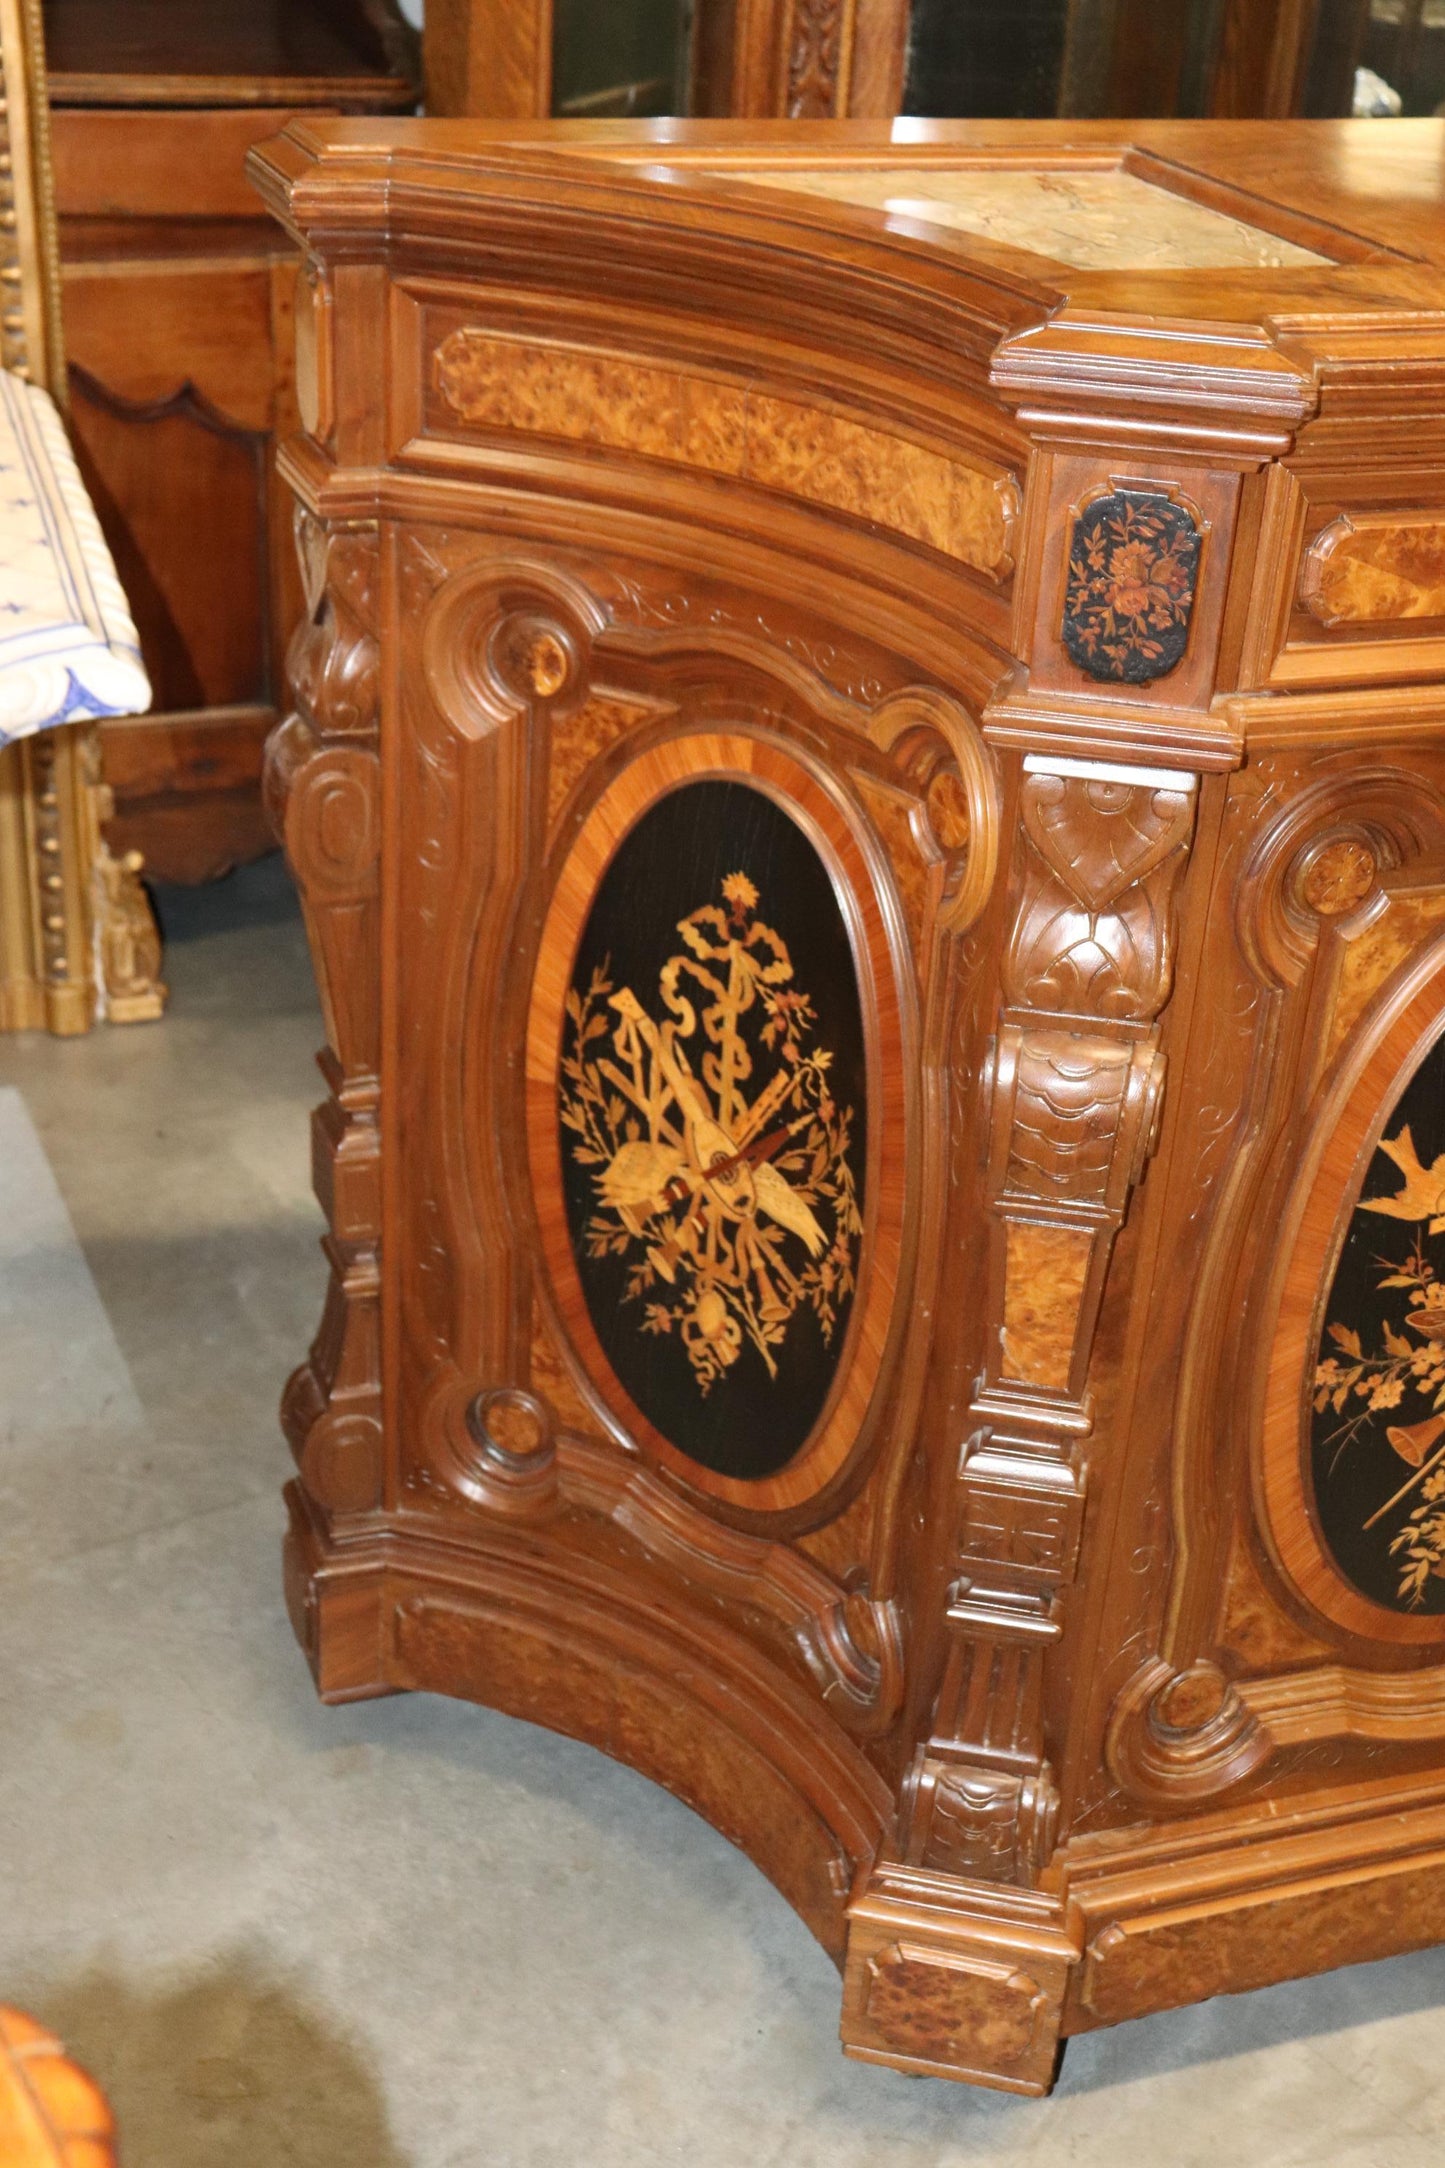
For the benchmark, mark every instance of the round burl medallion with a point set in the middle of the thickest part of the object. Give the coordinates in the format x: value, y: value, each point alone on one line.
x: 1377, y: 1431
x: 712, y: 1123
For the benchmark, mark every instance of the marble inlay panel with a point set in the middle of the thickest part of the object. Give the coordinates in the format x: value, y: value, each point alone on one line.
x: 1096, y: 219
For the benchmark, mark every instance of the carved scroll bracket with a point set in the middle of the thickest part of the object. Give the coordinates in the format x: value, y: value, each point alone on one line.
x: 960, y: 793
x: 1077, y: 1081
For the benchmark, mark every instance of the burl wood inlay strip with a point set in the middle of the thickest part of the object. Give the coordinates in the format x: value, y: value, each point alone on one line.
x: 1047, y: 1269
x: 1375, y: 569
x: 964, y: 511
x: 1370, y: 957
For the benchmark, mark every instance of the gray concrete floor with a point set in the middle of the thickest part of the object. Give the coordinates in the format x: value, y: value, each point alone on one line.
x: 414, y: 1934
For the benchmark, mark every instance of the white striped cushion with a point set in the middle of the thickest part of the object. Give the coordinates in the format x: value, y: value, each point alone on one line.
x: 68, y: 648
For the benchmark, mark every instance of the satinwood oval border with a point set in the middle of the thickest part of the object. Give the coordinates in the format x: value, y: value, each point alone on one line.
x: 732, y: 756
x: 1340, y: 1145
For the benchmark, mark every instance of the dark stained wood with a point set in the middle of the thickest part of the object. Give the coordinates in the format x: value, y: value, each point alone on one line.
x: 1075, y: 587
x: 1263, y: 53
x: 184, y: 789
x: 223, y: 52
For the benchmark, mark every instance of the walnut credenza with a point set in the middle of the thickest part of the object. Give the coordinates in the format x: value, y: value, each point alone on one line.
x: 868, y: 784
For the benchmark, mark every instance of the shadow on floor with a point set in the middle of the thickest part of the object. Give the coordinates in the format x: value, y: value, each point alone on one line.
x: 259, y: 894
x: 228, y: 2070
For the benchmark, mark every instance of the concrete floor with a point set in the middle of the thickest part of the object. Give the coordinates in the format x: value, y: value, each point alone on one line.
x: 415, y: 1934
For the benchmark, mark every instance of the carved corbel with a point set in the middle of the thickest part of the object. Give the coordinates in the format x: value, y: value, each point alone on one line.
x: 1076, y: 1089
x: 323, y: 792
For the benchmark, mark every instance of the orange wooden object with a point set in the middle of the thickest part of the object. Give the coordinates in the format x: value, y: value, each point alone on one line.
x: 51, y: 2114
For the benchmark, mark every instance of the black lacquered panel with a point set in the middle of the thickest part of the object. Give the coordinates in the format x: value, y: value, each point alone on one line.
x: 713, y: 1125
x: 1378, y: 1427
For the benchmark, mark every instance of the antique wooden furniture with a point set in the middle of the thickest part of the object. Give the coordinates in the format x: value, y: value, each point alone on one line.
x: 868, y: 782
x: 76, y: 931
x: 51, y: 2114
x: 797, y: 59
x: 178, y: 322
x: 826, y: 59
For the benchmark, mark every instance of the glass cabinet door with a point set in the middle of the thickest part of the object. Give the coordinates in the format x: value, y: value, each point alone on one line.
x: 620, y: 56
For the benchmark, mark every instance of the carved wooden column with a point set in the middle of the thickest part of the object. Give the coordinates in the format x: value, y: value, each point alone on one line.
x: 1121, y: 506
x: 323, y: 790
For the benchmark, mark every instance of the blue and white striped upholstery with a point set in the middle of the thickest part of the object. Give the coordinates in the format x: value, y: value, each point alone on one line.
x: 68, y: 648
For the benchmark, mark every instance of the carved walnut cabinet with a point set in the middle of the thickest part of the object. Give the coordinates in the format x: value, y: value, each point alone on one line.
x: 868, y: 783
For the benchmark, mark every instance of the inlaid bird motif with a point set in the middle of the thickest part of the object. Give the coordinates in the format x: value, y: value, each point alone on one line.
x: 1423, y: 1197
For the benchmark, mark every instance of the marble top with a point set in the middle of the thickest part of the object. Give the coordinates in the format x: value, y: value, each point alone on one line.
x: 68, y: 648
x: 1095, y: 218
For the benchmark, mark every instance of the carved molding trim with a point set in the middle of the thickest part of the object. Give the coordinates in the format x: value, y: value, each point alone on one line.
x: 1325, y: 888
x: 819, y: 58
x: 966, y: 511
x: 513, y: 1456
x: 1181, y: 1737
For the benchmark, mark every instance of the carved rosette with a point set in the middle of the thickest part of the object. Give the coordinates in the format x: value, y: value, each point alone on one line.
x: 1077, y: 1080
x: 323, y: 793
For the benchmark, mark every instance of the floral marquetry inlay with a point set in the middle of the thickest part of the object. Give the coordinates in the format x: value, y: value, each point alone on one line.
x: 1378, y: 1430
x: 1129, y: 593
x: 713, y: 1125
x: 704, y: 1163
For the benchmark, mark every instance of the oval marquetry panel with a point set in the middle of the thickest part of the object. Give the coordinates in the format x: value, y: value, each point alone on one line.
x: 716, y: 1154
x: 1377, y: 1435
x: 1353, y: 1444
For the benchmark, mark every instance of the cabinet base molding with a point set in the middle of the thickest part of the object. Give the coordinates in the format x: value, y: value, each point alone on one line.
x: 590, y: 1651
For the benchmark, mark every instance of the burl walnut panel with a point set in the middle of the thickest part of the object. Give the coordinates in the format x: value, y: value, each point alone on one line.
x: 870, y: 805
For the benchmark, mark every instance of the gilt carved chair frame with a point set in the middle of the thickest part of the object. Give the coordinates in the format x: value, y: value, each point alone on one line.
x: 77, y: 938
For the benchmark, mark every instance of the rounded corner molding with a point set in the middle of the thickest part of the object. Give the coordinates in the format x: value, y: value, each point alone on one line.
x: 503, y: 639
x: 1176, y: 1738
x: 961, y: 791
